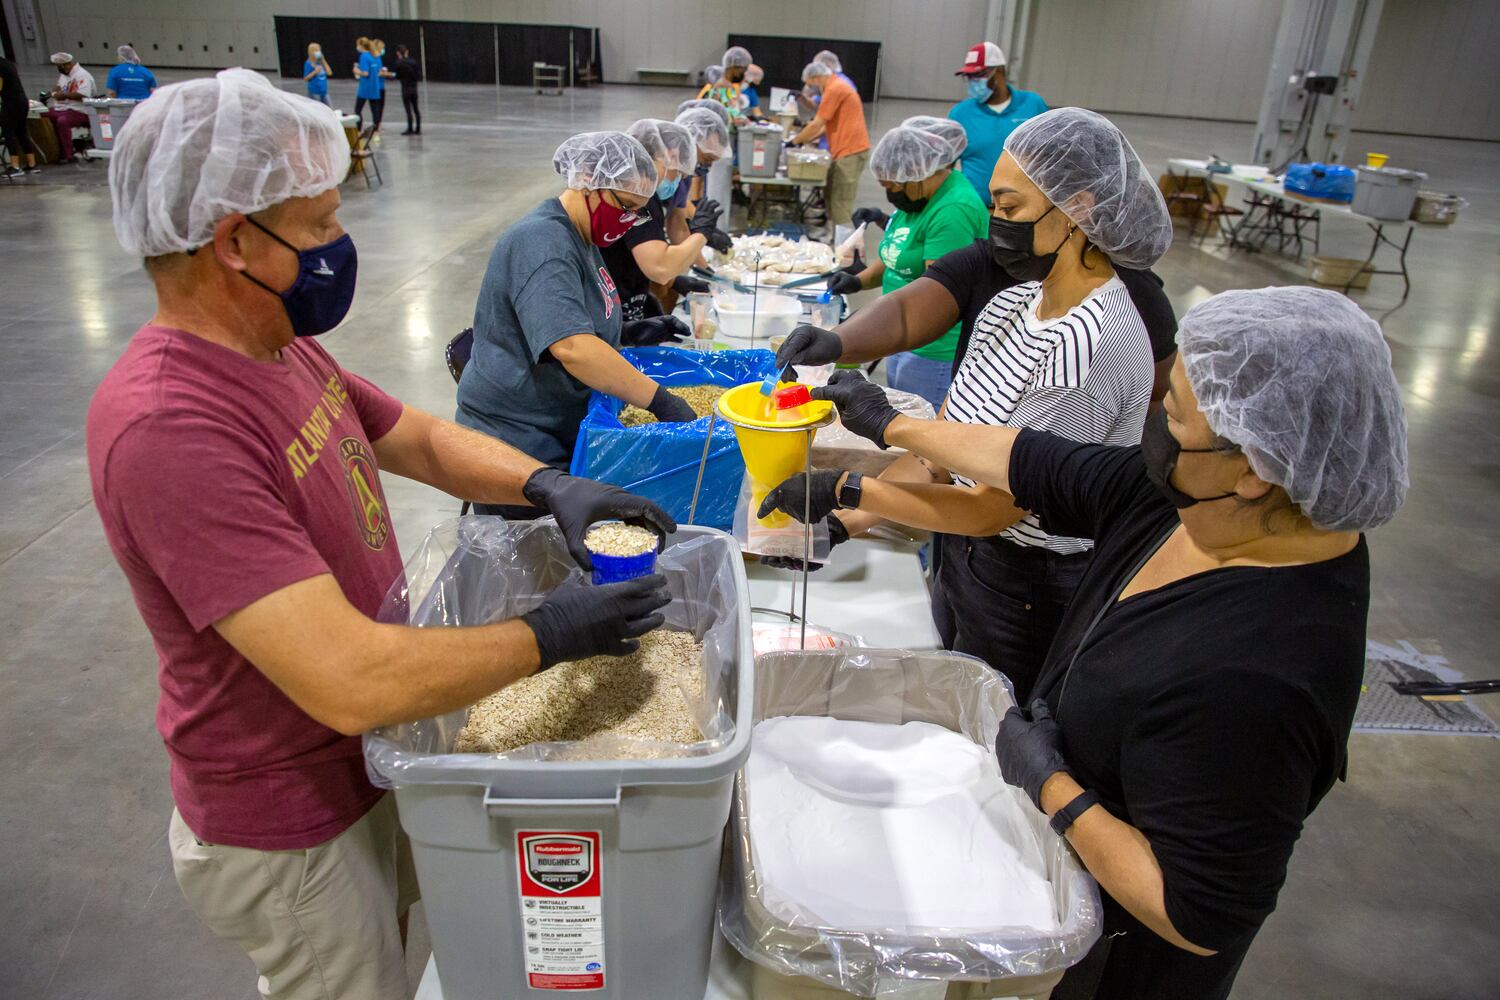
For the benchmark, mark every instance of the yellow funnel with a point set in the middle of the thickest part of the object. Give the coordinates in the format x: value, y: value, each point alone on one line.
x: 772, y: 450
x: 1376, y: 160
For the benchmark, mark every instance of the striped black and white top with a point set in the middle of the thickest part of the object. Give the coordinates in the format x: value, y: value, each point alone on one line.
x: 1085, y: 375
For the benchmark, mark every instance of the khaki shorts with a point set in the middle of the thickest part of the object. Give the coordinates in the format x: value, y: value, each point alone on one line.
x: 319, y: 924
x: 843, y: 181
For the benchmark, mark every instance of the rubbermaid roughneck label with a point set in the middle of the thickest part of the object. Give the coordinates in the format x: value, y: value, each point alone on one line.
x: 561, y: 908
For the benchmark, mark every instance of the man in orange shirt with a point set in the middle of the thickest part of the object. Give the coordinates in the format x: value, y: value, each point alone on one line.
x: 841, y: 115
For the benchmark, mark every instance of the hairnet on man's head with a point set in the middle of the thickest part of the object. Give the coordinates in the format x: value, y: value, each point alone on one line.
x: 908, y: 154
x: 1300, y: 380
x: 1087, y: 168
x: 709, y: 129
x: 668, y: 142
x: 713, y: 73
x: 704, y: 102
x: 830, y: 60
x: 813, y: 70
x: 946, y: 129
x: 736, y: 55
x: 754, y: 74
x: 127, y: 54
x: 61, y: 58
x: 207, y: 148
x: 595, y: 161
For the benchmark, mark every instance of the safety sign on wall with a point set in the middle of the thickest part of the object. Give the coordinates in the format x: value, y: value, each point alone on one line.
x: 561, y: 908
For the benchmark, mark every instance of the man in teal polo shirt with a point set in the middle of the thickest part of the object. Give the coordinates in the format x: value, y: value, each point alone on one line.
x: 992, y: 111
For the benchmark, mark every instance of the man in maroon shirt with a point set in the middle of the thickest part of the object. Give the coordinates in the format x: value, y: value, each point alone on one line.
x: 236, y: 467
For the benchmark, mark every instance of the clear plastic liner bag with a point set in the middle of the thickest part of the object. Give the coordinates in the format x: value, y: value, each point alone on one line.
x: 479, y: 570
x: 956, y: 692
x: 660, y: 461
x: 789, y: 540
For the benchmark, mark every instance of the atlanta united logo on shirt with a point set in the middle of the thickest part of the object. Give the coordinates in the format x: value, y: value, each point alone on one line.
x: 610, y: 293
x: 364, y: 491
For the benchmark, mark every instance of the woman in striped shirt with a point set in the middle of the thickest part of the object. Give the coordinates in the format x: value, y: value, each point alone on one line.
x: 1062, y: 349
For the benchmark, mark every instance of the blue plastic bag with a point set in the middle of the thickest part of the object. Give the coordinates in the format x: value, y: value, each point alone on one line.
x: 660, y: 461
x: 1329, y: 181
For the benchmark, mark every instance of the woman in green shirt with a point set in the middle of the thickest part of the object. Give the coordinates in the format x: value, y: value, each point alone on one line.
x: 937, y: 212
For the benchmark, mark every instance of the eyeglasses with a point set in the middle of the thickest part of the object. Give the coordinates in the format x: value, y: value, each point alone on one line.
x: 634, y: 216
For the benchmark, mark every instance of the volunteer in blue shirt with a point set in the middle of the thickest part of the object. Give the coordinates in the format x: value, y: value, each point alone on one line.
x: 547, y: 326
x: 371, y: 89
x: 129, y: 81
x: 315, y: 74
x: 991, y: 113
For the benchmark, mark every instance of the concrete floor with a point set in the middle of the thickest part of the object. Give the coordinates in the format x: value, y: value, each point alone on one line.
x: 1392, y: 891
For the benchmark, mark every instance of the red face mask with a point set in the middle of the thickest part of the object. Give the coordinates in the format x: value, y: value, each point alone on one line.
x: 608, y: 223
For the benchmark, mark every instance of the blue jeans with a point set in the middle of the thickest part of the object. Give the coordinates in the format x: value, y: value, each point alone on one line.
x: 321, y: 99
x: 923, y: 376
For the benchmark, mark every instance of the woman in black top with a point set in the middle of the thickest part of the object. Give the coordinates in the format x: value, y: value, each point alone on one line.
x: 1196, y: 703
x: 13, y: 109
x: 410, y: 74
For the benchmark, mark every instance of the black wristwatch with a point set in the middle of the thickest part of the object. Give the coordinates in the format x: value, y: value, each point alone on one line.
x: 1064, y: 817
x: 851, y: 491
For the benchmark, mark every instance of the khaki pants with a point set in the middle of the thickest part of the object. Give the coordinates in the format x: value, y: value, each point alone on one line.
x: 319, y: 924
x: 843, y: 180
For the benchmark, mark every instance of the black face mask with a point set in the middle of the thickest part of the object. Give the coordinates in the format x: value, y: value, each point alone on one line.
x: 1159, y: 450
x: 1012, y: 247
x: 911, y: 206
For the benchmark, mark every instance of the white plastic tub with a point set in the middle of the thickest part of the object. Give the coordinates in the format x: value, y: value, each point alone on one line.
x: 758, y: 317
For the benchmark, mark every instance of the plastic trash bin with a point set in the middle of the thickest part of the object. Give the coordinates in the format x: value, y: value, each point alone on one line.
x: 107, y: 115
x: 1386, y: 192
x: 542, y: 874
x: 797, y: 959
x: 760, y: 149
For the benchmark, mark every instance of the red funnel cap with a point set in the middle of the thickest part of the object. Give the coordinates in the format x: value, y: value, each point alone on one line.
x: 791, y: 396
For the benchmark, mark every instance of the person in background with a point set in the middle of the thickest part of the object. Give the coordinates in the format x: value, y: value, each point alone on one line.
x: 1062, y: 346
x: 750, y: 93
x: 936, y: 212
x: 237, y: 469
x: 371, y: 88
x: 74, y: 84
x: 315, y: 74
x: 410, y: 74
x: 991, y: 112
x: 841, y: 116
x: 712, y: 74
x: 726, y: 90
x: 14, y: 108
x: 708, y: 123
x: 548, y: 324
x: 1196, y: 705
x: 836, y: 65
x: 643, y: 257
x: 129, y: 81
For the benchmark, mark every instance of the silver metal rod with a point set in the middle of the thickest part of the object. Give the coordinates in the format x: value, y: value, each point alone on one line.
x: 806, y: 535
x: 713, y: 415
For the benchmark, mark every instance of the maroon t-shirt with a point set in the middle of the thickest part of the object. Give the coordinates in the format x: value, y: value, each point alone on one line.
x: 221, y: 479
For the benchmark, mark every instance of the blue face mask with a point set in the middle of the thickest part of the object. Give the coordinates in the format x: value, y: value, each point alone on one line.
x: 320, y: 297
x: 666, y: 189
x: 980, y: 90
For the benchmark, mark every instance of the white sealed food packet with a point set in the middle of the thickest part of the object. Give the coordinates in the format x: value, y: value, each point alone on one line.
x: 773, y: 637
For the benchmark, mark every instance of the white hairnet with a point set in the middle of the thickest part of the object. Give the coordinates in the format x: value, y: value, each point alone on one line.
x: 207, y: 148
x: 1087, y: 168
x: 594, y: 161
x: 709, y: 129
x: 946, y: 129
x: 736, y: 55
x: 1300, y: 379
x: 830, y: 60
x: 127, y: 54
x: 713, y: 73
x: 61, y: 58
x: 813, y: 69
x: 704, y: 102
x: 908, y: 154
x: 754, y: 74
x: 666, y: 141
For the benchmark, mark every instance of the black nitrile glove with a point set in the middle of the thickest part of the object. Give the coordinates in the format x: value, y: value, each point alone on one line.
x: 686, y: 285
x: 705, y: 217
x: 863, y: 406
x: 1030, y: 749
x: 844, y: 283
x: 719, y: 240
x: 670, y: 409
x: 870, y: 217
x: 790, y: 497
x: 809, y: 345
x: 579, y: 621
x: 653, y: 331
x: 837, y: 534
x: 578, y: 503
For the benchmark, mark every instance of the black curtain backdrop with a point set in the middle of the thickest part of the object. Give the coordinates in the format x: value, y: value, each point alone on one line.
x: 782, y: 57
x: 457, y: 51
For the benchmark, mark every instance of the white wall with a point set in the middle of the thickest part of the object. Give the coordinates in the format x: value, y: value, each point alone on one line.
x: 1435, y: 70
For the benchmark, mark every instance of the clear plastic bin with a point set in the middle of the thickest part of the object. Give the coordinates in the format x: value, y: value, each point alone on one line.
x: 541, y: 873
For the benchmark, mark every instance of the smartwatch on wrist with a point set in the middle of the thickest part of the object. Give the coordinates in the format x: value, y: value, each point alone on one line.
x: 850, y: 492
x: 1065, y: 817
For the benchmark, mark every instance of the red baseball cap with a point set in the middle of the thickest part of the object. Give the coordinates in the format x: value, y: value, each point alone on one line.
x: 981, y: 59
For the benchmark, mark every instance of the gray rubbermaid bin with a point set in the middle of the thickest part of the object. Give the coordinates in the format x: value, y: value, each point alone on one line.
x: 542, y: 875
x: 1386, y: 193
